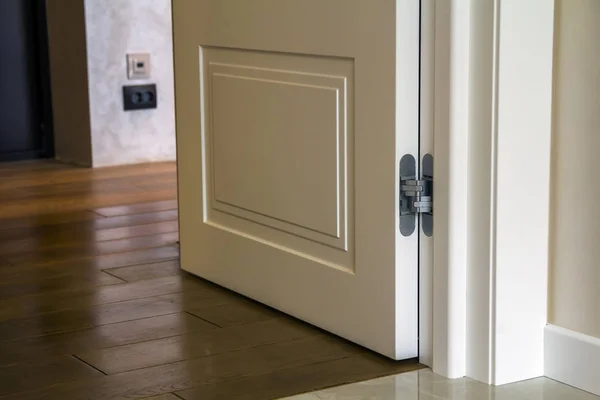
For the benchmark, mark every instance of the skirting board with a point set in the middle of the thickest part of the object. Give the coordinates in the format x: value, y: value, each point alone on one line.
x: 572, y: 358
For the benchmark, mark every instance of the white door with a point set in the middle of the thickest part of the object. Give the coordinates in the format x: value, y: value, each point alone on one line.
x: 292, y: 118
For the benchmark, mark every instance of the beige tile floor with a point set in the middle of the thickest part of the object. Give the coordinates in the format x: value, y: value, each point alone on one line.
x: 424, y: 385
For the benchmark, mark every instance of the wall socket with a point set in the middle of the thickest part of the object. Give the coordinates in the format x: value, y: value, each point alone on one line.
x: 139, y: 97
x: 138, y: 66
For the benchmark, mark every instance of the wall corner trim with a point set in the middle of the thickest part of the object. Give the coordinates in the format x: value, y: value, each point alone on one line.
x: 572, y: 358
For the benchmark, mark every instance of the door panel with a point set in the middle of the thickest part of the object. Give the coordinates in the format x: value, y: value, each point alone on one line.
x: 279, y: 153
x: 21, y: 98
x: 292, y: 117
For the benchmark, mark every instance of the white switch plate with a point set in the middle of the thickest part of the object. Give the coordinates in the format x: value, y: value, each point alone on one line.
x: 138, y: 66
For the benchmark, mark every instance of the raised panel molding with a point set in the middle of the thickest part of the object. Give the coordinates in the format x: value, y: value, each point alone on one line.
x: 280, y: 171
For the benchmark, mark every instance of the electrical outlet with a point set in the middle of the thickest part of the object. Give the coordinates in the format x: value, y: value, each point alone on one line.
x: 139, y: 97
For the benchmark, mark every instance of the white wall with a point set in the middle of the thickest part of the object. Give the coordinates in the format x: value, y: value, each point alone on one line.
x: 575, y: 228
x: 113, y: 29
x: 572, y: 342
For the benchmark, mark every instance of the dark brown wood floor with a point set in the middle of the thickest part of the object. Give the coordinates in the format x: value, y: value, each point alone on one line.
x: 93, y: 304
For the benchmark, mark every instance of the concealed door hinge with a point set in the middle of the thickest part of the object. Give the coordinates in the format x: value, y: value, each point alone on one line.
x: 416, y: 195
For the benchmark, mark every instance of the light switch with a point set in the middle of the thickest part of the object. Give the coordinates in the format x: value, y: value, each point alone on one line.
x: 138, y: 66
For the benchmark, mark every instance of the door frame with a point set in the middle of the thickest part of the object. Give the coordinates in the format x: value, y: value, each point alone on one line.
x: 426, y: 145
x: 43, y: 51
x: 493, y: 128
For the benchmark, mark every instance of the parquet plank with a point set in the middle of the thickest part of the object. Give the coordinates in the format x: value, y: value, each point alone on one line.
x: 237, y: 314
x: 92, y: 248
x: 57, y: 268
x: 137, y: 208
x: 76, y: 298
x: 148, y: 382
x: 201, y: 344
x: 142, y: 272
x: 70, y: 237
x: 17, y: 378
x: 86, y: 318
x: 38, y: 284
x: 122, y: 333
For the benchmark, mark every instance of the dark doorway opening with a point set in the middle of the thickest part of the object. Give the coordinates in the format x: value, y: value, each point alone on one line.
x: 25, y: 97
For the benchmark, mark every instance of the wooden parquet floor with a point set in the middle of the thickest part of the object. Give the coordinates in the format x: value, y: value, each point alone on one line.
x: 93, y: 304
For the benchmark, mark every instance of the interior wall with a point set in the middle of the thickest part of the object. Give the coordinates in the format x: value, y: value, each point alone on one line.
x: 575, y: 231
x: 69, y: 80
x: 115, y: 28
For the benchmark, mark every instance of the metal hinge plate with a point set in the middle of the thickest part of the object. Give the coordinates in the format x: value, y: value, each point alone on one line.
x: 416, y: 195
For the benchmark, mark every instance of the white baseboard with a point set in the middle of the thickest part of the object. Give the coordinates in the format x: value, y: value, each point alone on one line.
x: 572, y: 358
